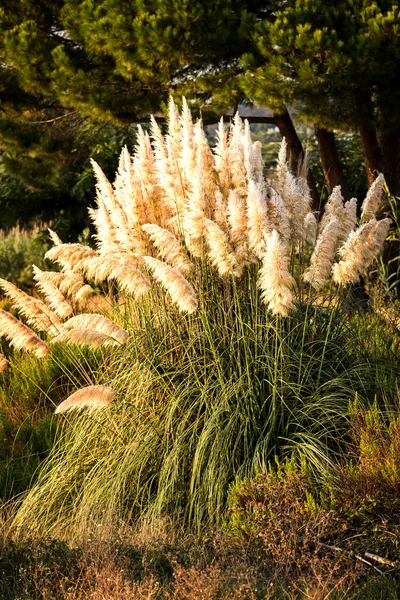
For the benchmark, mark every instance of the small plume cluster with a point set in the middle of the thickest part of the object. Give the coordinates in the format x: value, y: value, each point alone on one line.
x: 92, y: 397
x: 175, y: 206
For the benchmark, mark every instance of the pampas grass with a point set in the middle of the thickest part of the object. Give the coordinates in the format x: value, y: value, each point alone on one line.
x: 230, y: 360
x: 98, y: 323
x: 20, y: 336
x: 93, y: 397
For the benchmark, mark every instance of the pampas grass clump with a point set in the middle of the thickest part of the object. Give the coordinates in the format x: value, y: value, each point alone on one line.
x: 231, y: 291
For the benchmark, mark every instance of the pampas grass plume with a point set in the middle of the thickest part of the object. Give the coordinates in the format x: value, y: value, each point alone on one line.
x: 169, y: 247
x: 3, y: 363
x: 85, y: 337
x: 373, y: 200
x: 274, y: 279
x: 181, y: 291
x: 92, y: 397
x: 20, y: 336
x: 99, y: 323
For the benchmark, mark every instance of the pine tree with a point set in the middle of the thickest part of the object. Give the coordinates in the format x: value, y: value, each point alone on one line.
x: 338, y: 64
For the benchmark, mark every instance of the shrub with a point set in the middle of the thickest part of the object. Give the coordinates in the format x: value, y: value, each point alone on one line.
x: 352, y: 514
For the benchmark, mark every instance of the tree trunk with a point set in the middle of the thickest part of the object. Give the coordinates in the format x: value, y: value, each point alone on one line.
x: 286, y: 128
x: 372, y: 152
x: 390, y: 148
x: 330, y: 161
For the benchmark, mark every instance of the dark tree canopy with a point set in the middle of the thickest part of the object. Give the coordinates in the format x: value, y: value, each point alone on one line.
x: 72, y: 68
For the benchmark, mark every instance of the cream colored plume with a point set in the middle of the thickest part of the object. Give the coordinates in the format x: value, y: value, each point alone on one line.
x: 360, y: 251
x: 20, y: 336
x: 373, y: 201
x: 220, y: 251
x: 54, y: 237
x: 3, y: 363
x: 188, y: 155
x: 237, y: 219
x: 172, y: 197
x: 181, y: 291
x: 55, y: 299
x: 297, y: 204
x: 68, y: 255
x: 169, y: 248
x: 146, y: 195
x: 274, y: 280
x: 333, y: 208
x: 70, y: 284
x: 92, y: 397
x: 236, y: 159
x: 99, y: 323
x: 85, y: 337
x: 319, y: 271
x: 282, y: 168
x: 221, y: 158
x: 278, y: 216
x: 205, y: 164
x: 128, y: 277
x: 37, y: 314
x: 257, y: 219
x: 349, y: 219
x: 193, y: 221
x: 310, y: 227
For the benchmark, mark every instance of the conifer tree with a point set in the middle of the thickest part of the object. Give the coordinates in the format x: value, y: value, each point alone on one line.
x: 338, y: 64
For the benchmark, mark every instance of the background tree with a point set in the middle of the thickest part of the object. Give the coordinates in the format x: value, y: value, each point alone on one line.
x: 338, y: 64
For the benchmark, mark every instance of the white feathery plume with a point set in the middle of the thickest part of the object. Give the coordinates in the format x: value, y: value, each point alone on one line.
x: 70, y: 284
x: 171, y: 201
x: 37, y: 314
x: 278, y: 216
x: 144, y: 184
x: 128, y: 277
x: 310, y: 228
x: 85, y: 337
x: 181, y: 291
x: 92, y: 397
x: 253, y: 160
x: 360, y: 251
x: 188, y: 158
x: 111, y: 215
x: 257, y: 218
x: 221, y: 157
x: 323, y: 256
x: 236, y: 156
x: 54, y: 237
x: 193, y: 221
x: 297, y: 204
x: 99, y: 323
x: 247, y: 150
x: 282, y: 168
x: 220, y: 211
x: 3, y: 363
x: 237, y: 218
x: 333, y: 208
x: 20, y: 336
x: 219, y: 250
x: 129, y: 213
x: 205, y: 171
x: 349, y: 219
x: 274, y: 279
x: 55, y: 299
x: 169, y: 248
x: 373, y: 201
x: 68, y: 255
x: 257, y: 163
x: 105, y: 227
